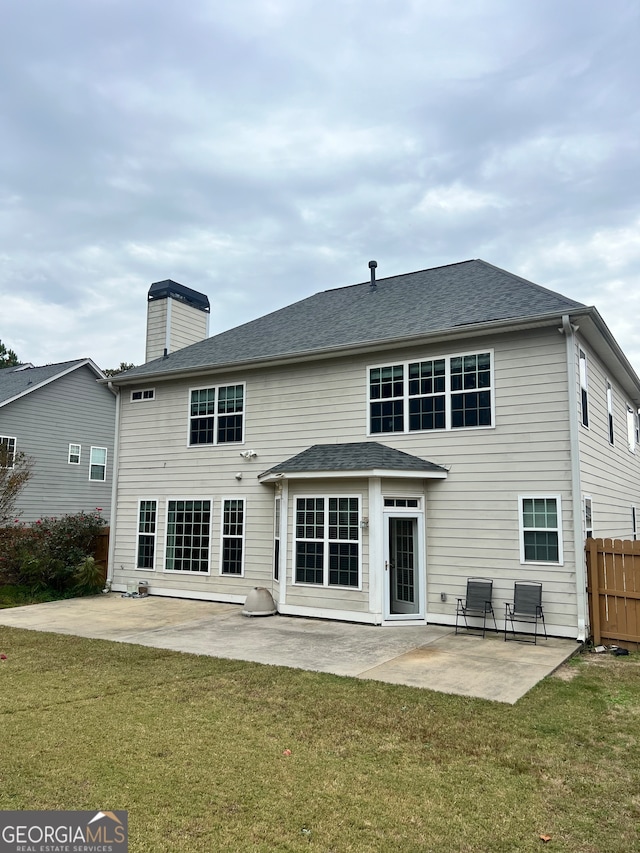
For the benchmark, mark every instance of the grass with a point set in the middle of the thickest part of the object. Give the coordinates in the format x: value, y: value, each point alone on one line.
x: 195, y: 749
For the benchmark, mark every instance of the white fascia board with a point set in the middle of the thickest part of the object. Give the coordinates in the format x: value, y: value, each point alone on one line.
x: 352, y: 475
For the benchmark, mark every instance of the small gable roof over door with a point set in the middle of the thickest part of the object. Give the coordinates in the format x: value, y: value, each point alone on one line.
x: 357, y: 459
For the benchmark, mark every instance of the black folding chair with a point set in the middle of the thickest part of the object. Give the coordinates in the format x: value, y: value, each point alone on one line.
x: 526, y: 608
x: 477, y: 604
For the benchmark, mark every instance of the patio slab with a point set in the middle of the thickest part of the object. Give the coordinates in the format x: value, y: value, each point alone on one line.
x: 431, y: 657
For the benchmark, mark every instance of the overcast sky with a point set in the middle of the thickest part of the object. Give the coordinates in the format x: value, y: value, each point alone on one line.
x: 262, y: 150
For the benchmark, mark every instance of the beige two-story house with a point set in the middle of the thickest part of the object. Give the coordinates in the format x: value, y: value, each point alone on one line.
x: 364, y: 451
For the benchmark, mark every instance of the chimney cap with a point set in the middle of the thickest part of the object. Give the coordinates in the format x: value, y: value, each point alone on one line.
x: 168, y: 288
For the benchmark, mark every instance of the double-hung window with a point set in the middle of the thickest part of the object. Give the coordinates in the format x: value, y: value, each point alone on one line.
x: 216, y: 414
x: 188, y: 536
x: 610, y: 411
x: 328, y: 541
x: 452, y: 392
x: 98, y: 464
x: 7, y: 451
x: 632, y: 428
x: 74, y: 454
x: 540, y: 530
x: 232, y: 536
x: 146, y: 542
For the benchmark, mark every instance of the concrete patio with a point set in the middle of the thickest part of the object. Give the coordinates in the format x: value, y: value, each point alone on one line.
x: 431, y: 657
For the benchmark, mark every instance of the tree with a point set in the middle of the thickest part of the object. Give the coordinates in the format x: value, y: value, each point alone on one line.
x: 124, y: 365
x: 8, y: 358
x: 16, y: 470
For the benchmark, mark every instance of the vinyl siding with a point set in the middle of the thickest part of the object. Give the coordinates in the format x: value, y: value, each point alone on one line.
x: 610, y: 474
x: 71, y: 410
x: 472, y: 517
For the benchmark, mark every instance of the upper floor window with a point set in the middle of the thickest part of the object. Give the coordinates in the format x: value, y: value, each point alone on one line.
x: 74, y: 454
x: 610, y: 411
x: 632, y: 428
x: 143, y: 394
x: 216, y: 414
x: 584, y: 389
x: 98, y: 464
x: 453, y: 392
x: 7, y: 451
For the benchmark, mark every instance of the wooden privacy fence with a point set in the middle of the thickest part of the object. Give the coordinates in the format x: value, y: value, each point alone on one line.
x: 613, y: 586
x: 101, y: 550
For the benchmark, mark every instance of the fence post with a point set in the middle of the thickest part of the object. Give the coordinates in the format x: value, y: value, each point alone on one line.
x: 593, y: 588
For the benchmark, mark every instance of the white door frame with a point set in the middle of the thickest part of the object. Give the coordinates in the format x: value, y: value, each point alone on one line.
x: 420, y: 569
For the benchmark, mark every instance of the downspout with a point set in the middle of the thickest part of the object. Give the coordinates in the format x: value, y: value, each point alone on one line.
x: 114, y: 488
x: 576, y: 486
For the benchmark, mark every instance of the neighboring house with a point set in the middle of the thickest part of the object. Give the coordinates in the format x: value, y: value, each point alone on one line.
x: 362, y: 452
x: 65, y: 421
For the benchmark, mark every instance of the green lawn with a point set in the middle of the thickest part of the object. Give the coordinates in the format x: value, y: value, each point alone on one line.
x: 194, y: 749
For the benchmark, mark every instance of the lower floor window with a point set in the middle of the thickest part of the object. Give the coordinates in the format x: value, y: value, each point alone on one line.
x: 328, y: 541
x: 232, y: 536
x: 146, y: 546
x: 188, y: 536
x: 540, y: 520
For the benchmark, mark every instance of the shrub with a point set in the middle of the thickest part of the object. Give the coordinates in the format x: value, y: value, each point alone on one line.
x: 47, y: 553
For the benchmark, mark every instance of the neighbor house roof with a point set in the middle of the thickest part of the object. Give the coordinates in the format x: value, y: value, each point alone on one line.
x: 365, y: 457
x: 403, y: 306
x: 23, y: 379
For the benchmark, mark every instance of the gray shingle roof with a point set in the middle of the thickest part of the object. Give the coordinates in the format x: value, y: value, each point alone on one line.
x: 402, y: 306
x: 356, y: 456
x: 15, y: 381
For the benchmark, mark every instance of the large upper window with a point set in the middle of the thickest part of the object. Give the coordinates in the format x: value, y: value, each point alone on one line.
x: 216, y: 414
x: 7, y: 451
x: 146, y: 544
x: 188, y: 536
x: 328, y: 541
x: 98, y: 464
x: 440, y: 393
x: 540, y: 530
x: 232, y: 536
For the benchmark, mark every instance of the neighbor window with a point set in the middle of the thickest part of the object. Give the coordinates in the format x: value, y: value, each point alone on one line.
x: 98, y: 464
x: 584, y: 394
x: 540, y: 530
x: 188, y: 536
x: 452, y: 392
x: 634, y: 524
x: 216, y: 415
x: 144, y: 394
x: 232, y: 536
x: 7, y: 451
x: 146, y: 544
x: 610, y: 411
x: 74, y: 454
x: 328, y: 541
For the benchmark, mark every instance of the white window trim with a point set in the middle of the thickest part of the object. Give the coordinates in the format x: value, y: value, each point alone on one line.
x: 632, y: 428
x: 70, y: 461
x: 634, y: 522
x: 155, y: 536
x: 447, y: 394
x: 215, y: 442
x: 181, y: 572
x: 150, y: 392
x: 521, y: 528
x: 277, y: 520
x: 610, y: 413
x: 585, y: 499
x: 583, y: 368
x: 325, y: 540
x: 12, y: 438
x: 91, y: 463
x: 242, y: 538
